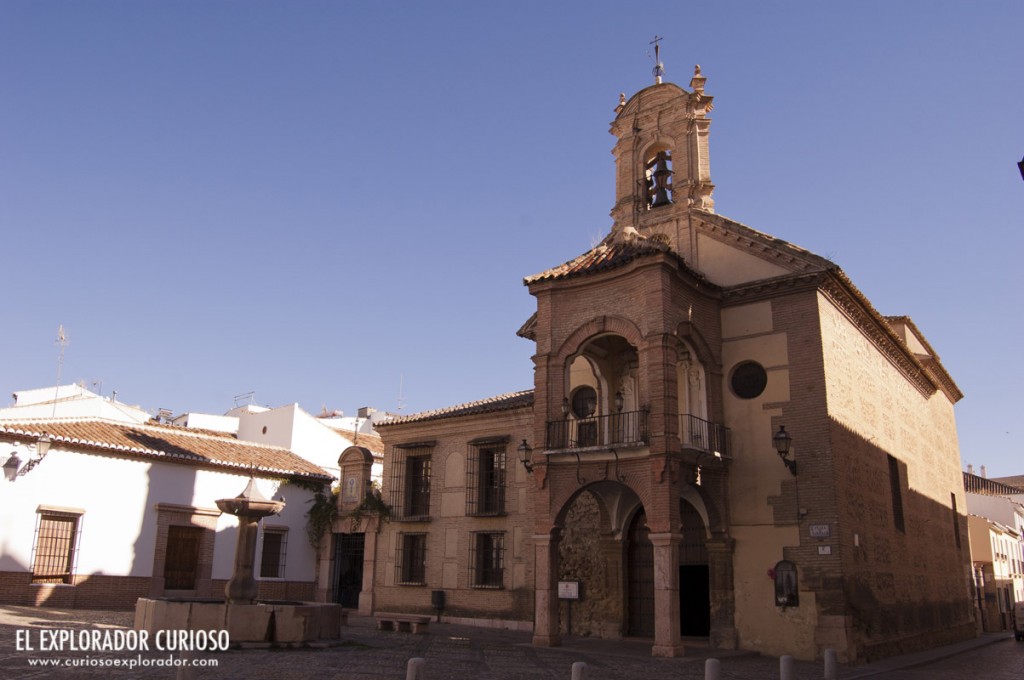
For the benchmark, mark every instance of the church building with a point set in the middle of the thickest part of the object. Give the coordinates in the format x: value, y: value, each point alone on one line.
x: 725, y: 440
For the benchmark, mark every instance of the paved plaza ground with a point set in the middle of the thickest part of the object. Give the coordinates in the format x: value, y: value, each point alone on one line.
x: 461, y: 652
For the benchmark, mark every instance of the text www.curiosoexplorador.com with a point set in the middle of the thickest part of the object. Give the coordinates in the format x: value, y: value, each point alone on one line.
x: 138, y: 661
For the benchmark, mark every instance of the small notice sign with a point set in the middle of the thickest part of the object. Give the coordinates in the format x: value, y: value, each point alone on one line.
x: 568, y: 590
x: 820, y: 531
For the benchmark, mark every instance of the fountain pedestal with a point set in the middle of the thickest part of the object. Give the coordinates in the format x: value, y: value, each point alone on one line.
x: 246, y: 620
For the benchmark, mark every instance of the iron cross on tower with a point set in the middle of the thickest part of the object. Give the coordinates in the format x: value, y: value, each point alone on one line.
x: 659, y: 68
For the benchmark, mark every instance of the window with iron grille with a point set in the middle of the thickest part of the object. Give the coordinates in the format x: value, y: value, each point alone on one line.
x: 897, y: 494
x: 411, y: 561
x: 487, y: 559
x: 956, y: 520
x: 55, y: 550
x: 485, y: 477
x: 410, y: 481
x: 275, y: 549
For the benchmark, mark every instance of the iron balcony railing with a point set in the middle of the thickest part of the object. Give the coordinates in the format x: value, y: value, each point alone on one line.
x: 617, y: 429
x: 703, y: 435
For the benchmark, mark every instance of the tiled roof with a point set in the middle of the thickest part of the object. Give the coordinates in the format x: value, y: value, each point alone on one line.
x: 370, y: 442
x: 502, y: 402
x: 169, y: 443
x: 616, y: 250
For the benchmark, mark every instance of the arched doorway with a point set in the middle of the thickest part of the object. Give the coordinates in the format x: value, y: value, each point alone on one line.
x: 639, y: 578
x: 694, y: 577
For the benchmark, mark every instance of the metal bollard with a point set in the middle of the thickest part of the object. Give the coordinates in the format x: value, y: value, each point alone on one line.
x: 416, y: 669
x: 579, y: 671
x: 786, y: 667
x: 712, y: 669
x: 830, y: 664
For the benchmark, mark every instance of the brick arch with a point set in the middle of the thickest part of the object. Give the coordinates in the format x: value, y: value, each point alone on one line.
x: 563, y: 497
x: 707, y: 507
x: 600, y: 325
x: 689, y: 332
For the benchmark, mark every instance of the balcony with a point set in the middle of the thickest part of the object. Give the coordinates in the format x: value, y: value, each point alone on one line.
x: 618, y: 429
x: 697, y: 434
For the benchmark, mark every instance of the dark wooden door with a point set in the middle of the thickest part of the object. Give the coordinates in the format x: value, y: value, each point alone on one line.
x: 181, y: 563
x: 348, y: 568
x: 640, y: 579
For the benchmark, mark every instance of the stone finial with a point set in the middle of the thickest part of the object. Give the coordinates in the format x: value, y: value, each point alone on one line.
x: 622, y: 102
x: 697, y: 82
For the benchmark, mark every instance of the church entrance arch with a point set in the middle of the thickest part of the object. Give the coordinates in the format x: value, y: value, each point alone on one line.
x: 640, y: 578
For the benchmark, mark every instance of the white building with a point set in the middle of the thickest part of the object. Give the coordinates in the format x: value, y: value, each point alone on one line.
x: 97, y: 513
x: 996, y: 529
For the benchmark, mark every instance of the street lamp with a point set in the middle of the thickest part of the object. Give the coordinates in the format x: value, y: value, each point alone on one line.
x: 783, y: 442
x: 526, y: 456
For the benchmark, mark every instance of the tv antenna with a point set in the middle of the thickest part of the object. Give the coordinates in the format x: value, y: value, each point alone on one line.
x: 62, y: 340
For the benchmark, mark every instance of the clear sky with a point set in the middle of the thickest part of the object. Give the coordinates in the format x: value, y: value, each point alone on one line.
x: 334, y: 203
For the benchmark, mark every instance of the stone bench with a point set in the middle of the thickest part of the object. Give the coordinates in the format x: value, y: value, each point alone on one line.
x: 403, y: 623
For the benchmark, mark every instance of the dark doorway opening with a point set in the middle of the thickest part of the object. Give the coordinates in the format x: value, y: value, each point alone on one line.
x: 348, y: 569
x: 640, y: 575
x: 694, y: 577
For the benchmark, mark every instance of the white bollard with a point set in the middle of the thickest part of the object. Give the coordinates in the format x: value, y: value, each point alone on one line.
x: 786, y: 667
x: 416, y: 669
x: 830, y: 664
x: 579, y: 671
x: 712, y: 669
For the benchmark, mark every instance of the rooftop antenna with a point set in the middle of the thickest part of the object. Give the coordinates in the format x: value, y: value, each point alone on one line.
x: 401, y: 399
x: 659, y: 68
x: 62, y: 340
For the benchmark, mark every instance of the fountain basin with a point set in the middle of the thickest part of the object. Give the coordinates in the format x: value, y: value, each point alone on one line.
x: 261, y: 622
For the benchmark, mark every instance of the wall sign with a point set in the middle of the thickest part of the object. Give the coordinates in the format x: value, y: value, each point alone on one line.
x: 820, y: 530
x: 568, y: 590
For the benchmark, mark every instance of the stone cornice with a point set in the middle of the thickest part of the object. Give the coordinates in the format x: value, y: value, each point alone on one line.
x: 834, y: 285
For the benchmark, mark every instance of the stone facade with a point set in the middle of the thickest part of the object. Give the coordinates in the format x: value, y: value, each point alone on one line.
x: 666, y: 359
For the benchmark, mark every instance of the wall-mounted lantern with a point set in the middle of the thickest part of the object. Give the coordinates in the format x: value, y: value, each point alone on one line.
x: 526, y: 456
x: 13, y: 463
x: 783, y: 442
x: 620, y: 401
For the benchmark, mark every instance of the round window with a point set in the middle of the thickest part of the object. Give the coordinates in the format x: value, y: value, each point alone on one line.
x: 749, y: 380
x: 584, y: 402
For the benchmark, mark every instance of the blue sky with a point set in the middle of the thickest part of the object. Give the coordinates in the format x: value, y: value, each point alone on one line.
x: 330, y: 202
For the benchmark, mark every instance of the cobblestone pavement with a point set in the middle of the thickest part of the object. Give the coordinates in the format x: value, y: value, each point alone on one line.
x: 461, y: 652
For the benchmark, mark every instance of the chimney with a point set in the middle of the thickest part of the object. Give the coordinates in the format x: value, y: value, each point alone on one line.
x: 970, y: 469
x: 983, y: 473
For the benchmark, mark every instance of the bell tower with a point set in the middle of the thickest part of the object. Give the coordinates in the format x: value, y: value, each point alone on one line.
x: 661, y: 159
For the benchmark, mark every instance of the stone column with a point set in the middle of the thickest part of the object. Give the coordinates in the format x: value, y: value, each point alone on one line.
x: 667, y: 642
x: 241, y: 589
x: 723, y: 599
x: 546, y: 631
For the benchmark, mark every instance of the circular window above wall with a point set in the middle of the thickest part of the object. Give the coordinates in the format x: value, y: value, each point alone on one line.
x: 749, y: 380
x: 584, y: 401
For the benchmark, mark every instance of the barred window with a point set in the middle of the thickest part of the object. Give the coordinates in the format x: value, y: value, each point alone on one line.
x: 956, y: 519
x: 485, y: 477
x: 897, y: 494
x: 487, y: 559
x: 410, y: 481
x: 411, y: 561
x: 275, y: 549
x: 56, y: 545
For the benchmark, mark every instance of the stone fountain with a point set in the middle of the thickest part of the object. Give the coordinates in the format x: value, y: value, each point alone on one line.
x: 245, y: 619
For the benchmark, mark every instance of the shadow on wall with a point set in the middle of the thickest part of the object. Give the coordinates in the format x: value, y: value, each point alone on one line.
x: 907, y: 568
